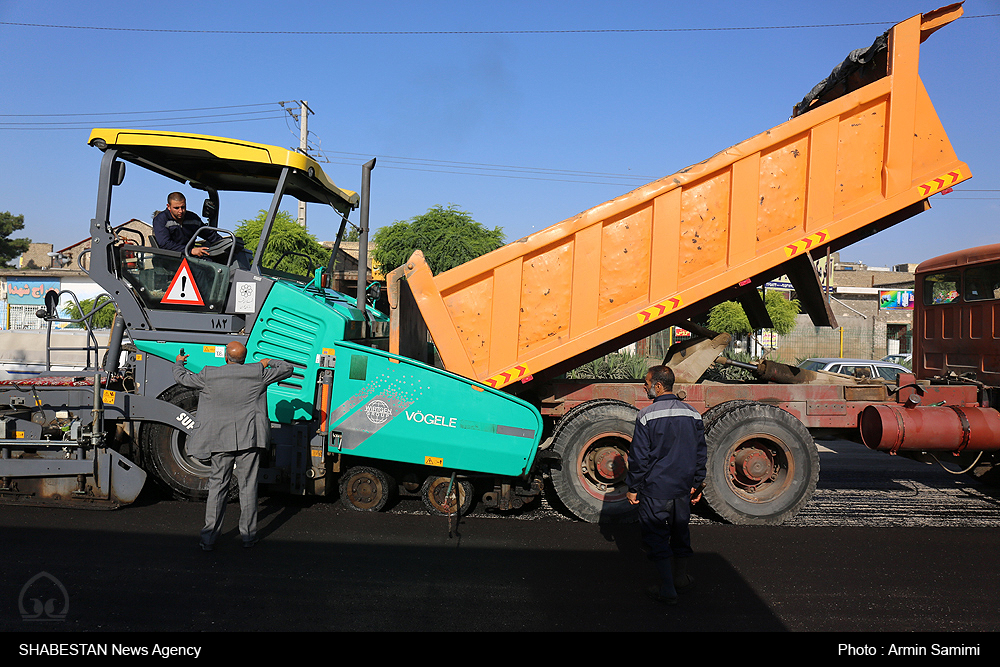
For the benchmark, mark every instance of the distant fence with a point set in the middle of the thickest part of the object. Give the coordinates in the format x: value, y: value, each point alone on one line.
x: 856, y: 338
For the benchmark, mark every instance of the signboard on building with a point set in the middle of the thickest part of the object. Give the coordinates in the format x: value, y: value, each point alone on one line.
x: 895, y: 299
x: 29, y: 290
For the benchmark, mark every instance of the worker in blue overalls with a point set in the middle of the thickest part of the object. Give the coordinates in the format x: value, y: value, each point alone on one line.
x: 666, y: 472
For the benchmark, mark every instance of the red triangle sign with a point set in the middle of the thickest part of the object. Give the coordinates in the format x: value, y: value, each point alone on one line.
x: 183, y: 290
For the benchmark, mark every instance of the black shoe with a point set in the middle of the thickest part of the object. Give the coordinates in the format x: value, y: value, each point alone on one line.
x: 206, y: 547
x: 248, y: 544
x: 654, y: 593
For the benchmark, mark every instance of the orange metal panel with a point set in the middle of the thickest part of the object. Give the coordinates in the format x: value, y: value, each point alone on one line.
x: 586, y: 254
x: 650, y: 257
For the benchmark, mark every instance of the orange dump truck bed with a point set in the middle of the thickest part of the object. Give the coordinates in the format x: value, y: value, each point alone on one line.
x: 865, y: 153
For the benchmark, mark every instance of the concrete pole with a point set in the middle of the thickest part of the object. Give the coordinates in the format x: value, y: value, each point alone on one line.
x: 303, y: 144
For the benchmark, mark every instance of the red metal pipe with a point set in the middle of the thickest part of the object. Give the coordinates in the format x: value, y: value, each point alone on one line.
x: 950, y: 428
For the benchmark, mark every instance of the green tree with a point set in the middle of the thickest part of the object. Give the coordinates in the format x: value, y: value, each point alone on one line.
x: 102, y: 319
x: 11, y: 248
x: 287, y: 237
x: 447, y: 236
x: 730, y: 317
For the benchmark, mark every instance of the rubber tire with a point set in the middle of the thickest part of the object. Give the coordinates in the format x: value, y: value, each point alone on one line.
x: 433, y: 490
x: 578, y: 427
x: 366, y: 489
x: 794, y: 447
x: 164, y: 457
x: 712, y: 415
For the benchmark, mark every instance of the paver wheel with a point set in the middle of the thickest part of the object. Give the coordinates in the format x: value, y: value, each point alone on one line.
x: 164, y: 455
x: 434, y: 493
x: 366, y: 489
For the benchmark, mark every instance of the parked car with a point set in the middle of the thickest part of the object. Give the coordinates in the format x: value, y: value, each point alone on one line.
x: 901, y: 359
x: 856, y: 367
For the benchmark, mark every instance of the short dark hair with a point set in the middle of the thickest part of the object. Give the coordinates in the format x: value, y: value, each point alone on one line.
x: 176, y: 196
x: 662, y: 375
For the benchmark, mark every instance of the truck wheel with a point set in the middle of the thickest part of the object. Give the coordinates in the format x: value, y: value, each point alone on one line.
x: 164, y: 455
x: 592, y: 441
x: 434, y: 494
x: 712, y: 415
x: 366, y: 489
x: 762, y: 464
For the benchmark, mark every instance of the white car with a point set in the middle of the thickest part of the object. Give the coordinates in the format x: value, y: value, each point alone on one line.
x: 902, y: 359
x: 856, y: 367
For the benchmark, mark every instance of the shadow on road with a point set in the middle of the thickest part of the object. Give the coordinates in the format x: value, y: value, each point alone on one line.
x: 331, y: 570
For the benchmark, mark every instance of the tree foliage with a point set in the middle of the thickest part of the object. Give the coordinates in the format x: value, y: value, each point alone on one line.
x: 287, y: 237
x: 448, y: 237
x: 102, y: 319
x: 11, y: 248
x: 729, y: 316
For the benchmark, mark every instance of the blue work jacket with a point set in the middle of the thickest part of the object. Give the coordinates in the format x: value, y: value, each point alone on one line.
x: 173, y: 235
x: 668, y: 453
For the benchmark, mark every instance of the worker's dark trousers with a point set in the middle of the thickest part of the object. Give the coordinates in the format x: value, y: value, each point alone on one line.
x: 665, y: 526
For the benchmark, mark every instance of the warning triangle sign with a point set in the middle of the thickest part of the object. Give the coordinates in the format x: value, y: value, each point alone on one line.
x: 183, y: 291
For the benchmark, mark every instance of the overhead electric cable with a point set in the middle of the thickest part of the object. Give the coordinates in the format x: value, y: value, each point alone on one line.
x: 136, y: 113
x: 454, y: 32
x: 147, y: 120
x: 137, y: 126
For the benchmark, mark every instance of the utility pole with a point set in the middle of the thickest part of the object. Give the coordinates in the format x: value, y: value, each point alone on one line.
x: 304, y: 112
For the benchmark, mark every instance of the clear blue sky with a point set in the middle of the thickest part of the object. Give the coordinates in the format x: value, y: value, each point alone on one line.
x: 582, y: 116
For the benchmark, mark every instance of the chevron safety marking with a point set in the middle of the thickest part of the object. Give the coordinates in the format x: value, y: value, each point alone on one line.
x: 807, y: 243
x: 940, y: 183
x: 658, y: 309
x: 508, y: 376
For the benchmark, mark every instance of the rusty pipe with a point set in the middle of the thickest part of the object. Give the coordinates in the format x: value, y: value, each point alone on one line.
x: 779, y: 373
x: 950, y: 428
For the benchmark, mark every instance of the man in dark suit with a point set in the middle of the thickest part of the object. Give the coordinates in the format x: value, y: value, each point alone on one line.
x: 232, y: 426
x: 666, y: 468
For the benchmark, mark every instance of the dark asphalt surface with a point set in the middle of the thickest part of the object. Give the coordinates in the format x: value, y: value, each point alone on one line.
x: 320, y: 567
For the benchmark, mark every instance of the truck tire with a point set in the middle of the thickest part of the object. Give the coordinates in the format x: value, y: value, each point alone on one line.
x: 763, y: 464
x: 592, y: 441
x: 712, y: 415
x: 164, y: 457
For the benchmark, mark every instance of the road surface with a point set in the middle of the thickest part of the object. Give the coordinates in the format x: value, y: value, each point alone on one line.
x: 888, y: 545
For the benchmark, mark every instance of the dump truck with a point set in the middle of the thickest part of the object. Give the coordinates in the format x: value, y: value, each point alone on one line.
x: 373, y: 411
x: 864, y: 150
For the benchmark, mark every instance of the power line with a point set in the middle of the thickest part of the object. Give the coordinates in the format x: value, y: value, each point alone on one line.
x: 455, y: 32
x: 140, y: 126
x: 342, y: 157
x: 136, y: 113
x: 148, y: 120
x: 511, y: 176
x: 481, y: 166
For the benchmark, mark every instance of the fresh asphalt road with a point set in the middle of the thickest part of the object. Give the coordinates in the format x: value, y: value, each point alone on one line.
x: 887, y: 545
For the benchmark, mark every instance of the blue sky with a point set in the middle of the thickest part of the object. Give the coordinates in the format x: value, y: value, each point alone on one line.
x: 582, y: 116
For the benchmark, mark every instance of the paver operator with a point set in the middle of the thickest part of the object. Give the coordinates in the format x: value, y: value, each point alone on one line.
x: 175, y: 226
